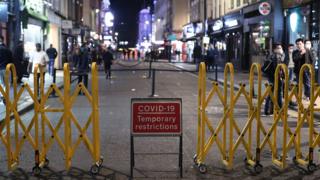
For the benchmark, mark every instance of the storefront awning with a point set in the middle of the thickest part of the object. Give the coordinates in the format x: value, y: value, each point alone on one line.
x: 26, y: 13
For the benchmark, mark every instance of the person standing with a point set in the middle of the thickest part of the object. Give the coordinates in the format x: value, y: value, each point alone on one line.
x: 197, y: 55
x: 107, y: 58
x: 5, y: 59
x: 277, y: 57
x: 52, y: 54
x: 302, y: 56
x: 18, y: 61
x: 314, y: 57
x: 41, y: 58
x: 82, y: 59
x: 210, y: 58
x: 289, y: 61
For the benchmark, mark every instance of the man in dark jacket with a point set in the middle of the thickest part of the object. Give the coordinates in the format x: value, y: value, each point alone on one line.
x: 107, y: 58
x: 197, y: 55
x: 52, y: 54
x: 277, y: 57
x: 302, y: 56
x: 5, y: 59
x: 18, y: 61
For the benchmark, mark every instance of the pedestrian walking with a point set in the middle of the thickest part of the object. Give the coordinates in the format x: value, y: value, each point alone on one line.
x: 107, y: 58
x: 52, y: 54
x: 82, y: 59
x: 5, y: 59
x: 275, y: 58
x: 302, y: 56
x: 41, y: 58
x: 18, y: 61
x: 197, y: 55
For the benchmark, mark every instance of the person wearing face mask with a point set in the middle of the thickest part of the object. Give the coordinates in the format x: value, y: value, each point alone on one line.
x: 313, y: 55
x: 277, y: 57
x: 303, y: 56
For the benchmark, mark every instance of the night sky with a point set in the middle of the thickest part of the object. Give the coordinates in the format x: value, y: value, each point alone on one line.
x: 126, y: 18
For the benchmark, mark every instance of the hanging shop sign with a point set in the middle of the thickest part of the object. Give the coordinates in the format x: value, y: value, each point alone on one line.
x: 3, y: 12
x: 217, y: 26
x: 265, y: 8
x: 66, y: 24
x: 231, y: 23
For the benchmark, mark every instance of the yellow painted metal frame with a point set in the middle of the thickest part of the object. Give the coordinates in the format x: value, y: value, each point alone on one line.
x: 41, y: 147
x: 289, y: 137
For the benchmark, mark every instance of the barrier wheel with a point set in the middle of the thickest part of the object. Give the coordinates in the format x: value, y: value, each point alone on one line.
x: 195, y: 159
x: 100, y: 161
x: 46, y: 162
x: 312, y: 167
x: 245, y: 160
x: 36, y: 170
x: 202, y: 168
x: 258, y: 168
x: 95, y: 169
x: 294, y: 160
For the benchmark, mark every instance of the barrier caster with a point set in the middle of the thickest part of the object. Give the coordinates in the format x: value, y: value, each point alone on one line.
x: 245, y: 160
x: 202, y: 168
x: 311, y: 167
x: 294, y: 160
x: 95, y: 169
x: 258, y: 168
x: 195, y: 159
x: 100, y: 161
x: 46, y: 162
x: 36, y: 170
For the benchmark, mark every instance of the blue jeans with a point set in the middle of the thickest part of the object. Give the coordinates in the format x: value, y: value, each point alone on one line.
x: 51, y: 66
x: 306, y: 83
x: 291, y: 74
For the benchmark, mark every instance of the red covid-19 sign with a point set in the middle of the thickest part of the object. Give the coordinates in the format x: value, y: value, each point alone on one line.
x: 156, y: 116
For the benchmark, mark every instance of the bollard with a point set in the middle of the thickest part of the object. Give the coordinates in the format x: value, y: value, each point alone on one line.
x: 150, y: 66
x: 153, y: 82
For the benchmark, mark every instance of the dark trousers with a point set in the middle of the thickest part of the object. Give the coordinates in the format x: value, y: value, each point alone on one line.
x: 38, y: 81
x: 83, y: 77
x: 107, y: 70
x: 269, y: 103
x: 306, y: 82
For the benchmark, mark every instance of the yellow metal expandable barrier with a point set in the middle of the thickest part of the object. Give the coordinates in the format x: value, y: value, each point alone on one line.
x: 40, y: 144
x: 223, y: 135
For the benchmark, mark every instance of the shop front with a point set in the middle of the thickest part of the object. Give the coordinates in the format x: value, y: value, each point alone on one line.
x: 302, y: 21
x: 217, y: 39
x: 191, y: 35
x: 34, y: 25
x: 262, y: 27
x: 233, y: 38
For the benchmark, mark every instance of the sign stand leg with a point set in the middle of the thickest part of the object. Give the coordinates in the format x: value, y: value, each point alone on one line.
x: 180, y: 157
x: 131, y: 156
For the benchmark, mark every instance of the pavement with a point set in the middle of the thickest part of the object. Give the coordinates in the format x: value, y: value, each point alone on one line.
x: 25, y: 103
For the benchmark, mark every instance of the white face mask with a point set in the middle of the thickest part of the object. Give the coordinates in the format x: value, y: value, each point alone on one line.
x: 307, y: 46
